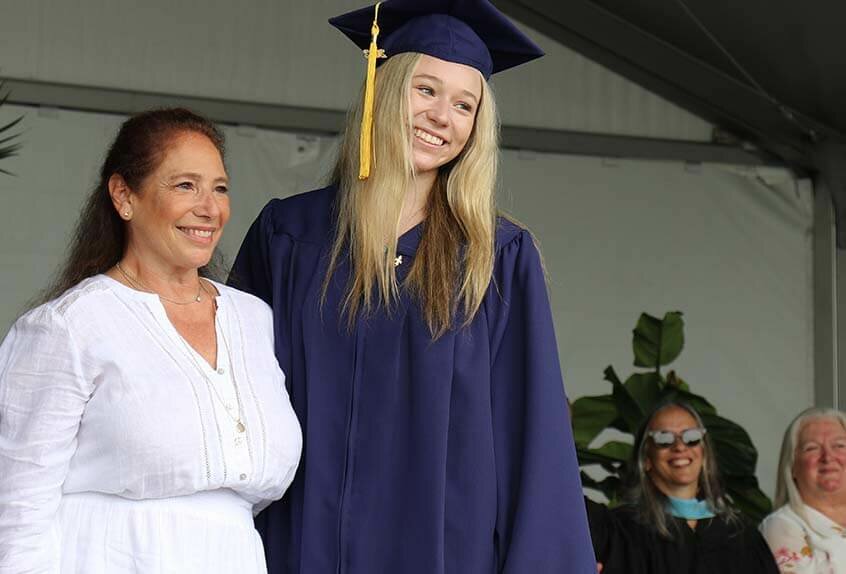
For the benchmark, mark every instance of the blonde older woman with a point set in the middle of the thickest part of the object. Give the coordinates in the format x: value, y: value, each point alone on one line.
x: 808, y: 531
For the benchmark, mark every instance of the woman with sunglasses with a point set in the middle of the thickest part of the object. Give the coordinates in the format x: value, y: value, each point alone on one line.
x: 675, y: 517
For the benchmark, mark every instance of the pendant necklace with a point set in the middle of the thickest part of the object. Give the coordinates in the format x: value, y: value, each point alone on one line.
x: 136, y: 283
x: 238, y: 419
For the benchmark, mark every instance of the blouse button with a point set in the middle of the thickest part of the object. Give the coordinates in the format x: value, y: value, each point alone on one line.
x: 221, y: 371
x: 243, y: 476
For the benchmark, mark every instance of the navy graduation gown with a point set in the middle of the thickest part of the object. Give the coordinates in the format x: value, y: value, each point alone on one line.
x: 452, y: 456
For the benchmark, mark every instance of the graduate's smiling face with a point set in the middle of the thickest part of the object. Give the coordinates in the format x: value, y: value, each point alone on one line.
x: 179, y: 210
x: 443, y: 100
x: 820, y: 460
x: 674, y: 469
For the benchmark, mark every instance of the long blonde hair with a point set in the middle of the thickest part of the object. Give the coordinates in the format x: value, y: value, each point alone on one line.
x: 457, y: 246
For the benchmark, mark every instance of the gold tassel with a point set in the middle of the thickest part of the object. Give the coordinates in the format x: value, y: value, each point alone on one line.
x: 366, y: 137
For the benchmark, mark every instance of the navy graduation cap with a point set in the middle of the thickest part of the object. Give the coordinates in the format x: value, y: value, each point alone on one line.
x: 469, y: 32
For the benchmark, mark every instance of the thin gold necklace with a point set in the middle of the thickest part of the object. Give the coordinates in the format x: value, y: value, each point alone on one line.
x: 238, y: 420
x: 136, y: 283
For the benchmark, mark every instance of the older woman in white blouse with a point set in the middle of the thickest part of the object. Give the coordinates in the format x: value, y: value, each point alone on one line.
x: 143, y: 415
x: 807, y: 532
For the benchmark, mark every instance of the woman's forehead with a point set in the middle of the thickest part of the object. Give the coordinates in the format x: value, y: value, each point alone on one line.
x: 816, y: 428
x: 672, y: 417
x: 460, y: 75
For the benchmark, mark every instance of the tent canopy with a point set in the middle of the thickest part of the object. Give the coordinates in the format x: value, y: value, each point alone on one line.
x: 769, y: 73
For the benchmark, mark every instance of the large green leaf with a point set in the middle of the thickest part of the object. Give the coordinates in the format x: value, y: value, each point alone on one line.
x: 736, y: 459
x: 612, y: 451
x: 747, y: 497
x: 657, y: 342
x: 701, y: 404
x: 645, y: 389
x: 608, y: 463
x: 630, y: 412
x: 590, y: 416
x: 736, y: 456
x: 620, y: 425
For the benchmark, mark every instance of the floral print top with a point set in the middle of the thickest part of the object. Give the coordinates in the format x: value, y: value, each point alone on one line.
x: 809, y: 544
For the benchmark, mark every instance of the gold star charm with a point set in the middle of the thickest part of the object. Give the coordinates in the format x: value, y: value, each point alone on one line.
x: 380, y: 53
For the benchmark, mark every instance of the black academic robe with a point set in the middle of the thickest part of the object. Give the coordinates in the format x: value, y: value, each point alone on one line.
x: 714, y: 547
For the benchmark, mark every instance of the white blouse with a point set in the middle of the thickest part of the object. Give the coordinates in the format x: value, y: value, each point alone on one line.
x: 100, y: 394
x: 813, y: 544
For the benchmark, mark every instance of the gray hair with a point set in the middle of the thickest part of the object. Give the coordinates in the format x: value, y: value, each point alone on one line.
x: 649, y: 502
x: 786, y: 489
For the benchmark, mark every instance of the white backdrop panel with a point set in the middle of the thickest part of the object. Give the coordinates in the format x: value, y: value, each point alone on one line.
x: 730, y: 248
x: 284, y: 52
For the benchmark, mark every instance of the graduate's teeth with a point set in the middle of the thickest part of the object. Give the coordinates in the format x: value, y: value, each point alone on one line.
x: 428, y: 138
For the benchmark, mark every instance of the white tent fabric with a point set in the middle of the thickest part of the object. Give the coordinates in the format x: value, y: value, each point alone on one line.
x: 276, y: 52
x: 729, y: 247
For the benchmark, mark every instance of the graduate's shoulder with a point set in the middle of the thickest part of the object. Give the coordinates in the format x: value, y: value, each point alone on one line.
x: 304, y: 217
x: 510, y: 232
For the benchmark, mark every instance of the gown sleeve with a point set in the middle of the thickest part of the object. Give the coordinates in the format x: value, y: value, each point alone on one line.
x: 601, y: 524
x: 43, y: 394
x: 789, y: 544
x: 760, y: 553
x: 541, y: 523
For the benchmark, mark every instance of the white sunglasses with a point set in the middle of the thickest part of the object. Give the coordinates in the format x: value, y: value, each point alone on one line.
x: 666, y: 438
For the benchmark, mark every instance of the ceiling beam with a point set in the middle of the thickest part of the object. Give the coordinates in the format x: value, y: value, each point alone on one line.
x: 330, y: 122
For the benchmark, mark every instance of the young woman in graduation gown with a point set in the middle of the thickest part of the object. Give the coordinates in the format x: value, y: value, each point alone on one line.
x: 676, y: 519
x: 415, y: 329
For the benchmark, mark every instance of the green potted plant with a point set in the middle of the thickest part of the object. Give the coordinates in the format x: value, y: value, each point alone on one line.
x: 657, y: 343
